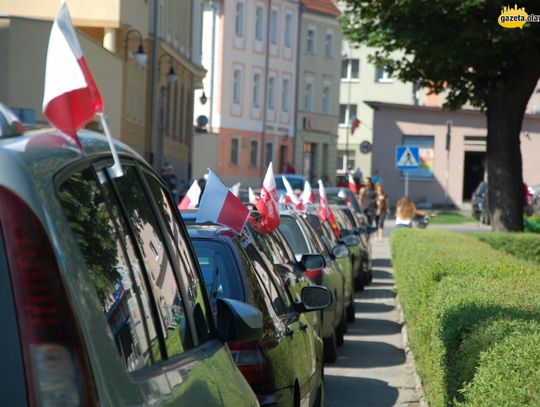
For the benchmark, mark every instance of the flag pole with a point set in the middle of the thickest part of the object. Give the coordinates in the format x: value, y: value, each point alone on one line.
x: 116, y: 170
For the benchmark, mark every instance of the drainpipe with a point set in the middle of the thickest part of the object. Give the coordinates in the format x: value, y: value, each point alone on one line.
x: 297, y: 87
x: 155, y: 157
x: 212, y: 67
x: 265, y: 90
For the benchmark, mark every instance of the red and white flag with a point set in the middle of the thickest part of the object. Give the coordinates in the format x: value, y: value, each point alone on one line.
x: 267, y: 205
x: 352, y: 185
x: 295, y: 200
x: 355, y: 124
x: 307, y: 195
x: 252, y: 197
x: 324, y: 203
x: 235, y: 189
x: 219, y: 205
x: 71, y: 98
x: 191, y: 200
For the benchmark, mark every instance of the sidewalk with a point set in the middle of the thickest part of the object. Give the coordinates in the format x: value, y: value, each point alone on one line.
x: 372, y: 369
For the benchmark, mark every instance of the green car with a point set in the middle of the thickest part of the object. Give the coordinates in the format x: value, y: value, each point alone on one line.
x: 103, y: 302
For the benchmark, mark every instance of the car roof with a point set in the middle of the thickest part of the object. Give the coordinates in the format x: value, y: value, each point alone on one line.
x: 209, y: 231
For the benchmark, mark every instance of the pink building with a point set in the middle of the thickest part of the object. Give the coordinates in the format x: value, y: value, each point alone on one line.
x: 427, y: 127
x: 250, y: 54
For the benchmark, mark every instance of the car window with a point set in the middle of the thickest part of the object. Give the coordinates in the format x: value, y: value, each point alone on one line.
x: 294, y: 236
x: 157, y: 262
x: 219, y: 270
x: 114, y: 268
x: 315, y: 239
x: 183, y: 258
x: 273, y: 252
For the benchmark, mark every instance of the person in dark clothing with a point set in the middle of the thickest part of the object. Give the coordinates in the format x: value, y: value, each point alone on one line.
x: 170, y: 179
x: 368, y: 200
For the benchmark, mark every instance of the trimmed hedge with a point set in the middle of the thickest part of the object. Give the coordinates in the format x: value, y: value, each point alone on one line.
x: 522, y: 245
x: 465, y: 304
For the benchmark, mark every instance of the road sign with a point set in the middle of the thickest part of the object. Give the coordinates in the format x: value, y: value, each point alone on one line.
x: 407, y: 157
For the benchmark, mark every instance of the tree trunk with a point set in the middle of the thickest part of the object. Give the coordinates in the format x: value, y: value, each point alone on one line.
x: 505, y: 110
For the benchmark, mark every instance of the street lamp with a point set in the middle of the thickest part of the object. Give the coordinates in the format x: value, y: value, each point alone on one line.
x: 203, y: 99
x: 140, y: 55
x: 171, y: 75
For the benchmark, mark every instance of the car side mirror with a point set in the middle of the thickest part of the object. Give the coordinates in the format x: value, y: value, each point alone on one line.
x: 314, y: 298
x: 238, y: 321
x: 360, y: 230
x: 340, y: 251
x: 311, y: 262
x: 351, y: 240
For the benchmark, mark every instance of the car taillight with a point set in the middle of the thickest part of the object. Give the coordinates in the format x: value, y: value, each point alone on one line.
x: 56, y: 368
x: 253, y: 365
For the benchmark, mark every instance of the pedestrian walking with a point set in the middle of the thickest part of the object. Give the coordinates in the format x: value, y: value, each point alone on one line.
x: 367, y: 200
x: 382, y: 209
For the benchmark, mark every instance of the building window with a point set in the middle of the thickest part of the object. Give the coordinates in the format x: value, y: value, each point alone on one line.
x: 259, y: 23
x: 285, y: 96
x: 328, y: 45
x: 308, y: 98
x: 310, y: 45
x: 347, y: 113
x: 274, y: 27
x: 326, y: 100
x: 381, y: 75
x: 346, y: 161
x: 256, y: 90
x: 235, y: 151
x: 239, y: 21
x: 254, y: 153
x: 271, y: 93
x: 288, y: 30
x: 237, y: 83
x: 268, y: 153
x: 350, y: 68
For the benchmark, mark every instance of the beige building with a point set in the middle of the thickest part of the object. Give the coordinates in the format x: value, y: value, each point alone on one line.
x: 426, y: 127
x: 147, y: 81
x: 319, y: 62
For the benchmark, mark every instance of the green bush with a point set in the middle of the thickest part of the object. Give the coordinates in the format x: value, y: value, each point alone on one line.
x: 523, y: 245
x: 461, y: 298
x: 532, y: 224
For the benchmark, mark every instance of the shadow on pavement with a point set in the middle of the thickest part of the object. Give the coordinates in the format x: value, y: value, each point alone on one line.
x: 377, y: 284
x: 368, y: 327
x: 370, y: 307
x: 380, y: 293
x: 344, y: 391
x: 382, y: 263
x: 382, y: 274
x: 358, y: 353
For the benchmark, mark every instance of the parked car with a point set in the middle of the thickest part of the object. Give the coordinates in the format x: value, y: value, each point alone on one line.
x: 102, y: 300
x: 342, y: 196
x: 284, y: 367
x: 303, y: 240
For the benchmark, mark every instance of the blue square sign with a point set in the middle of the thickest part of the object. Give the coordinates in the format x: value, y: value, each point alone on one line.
x: 407, y: 157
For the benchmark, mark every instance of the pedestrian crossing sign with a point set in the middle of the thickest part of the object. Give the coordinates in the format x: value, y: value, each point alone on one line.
x: 407, y: 157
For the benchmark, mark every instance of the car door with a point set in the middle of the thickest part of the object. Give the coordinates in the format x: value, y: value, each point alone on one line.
x: 153, y: 351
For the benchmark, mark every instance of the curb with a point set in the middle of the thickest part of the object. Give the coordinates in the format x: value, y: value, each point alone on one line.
x: 422, y: 402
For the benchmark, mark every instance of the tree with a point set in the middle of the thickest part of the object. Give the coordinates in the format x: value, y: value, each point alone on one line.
x: 459, y: 46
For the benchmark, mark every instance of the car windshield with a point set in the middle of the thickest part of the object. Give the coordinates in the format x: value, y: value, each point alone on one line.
x: 294, y: 236
x: 219, y: 270
x: 296, y: 183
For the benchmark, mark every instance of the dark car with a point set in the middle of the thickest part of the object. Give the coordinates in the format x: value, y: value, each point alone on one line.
x: 102, y: 300
x: 284, y: 367
x: 303, y: 240
x: 342, y: 196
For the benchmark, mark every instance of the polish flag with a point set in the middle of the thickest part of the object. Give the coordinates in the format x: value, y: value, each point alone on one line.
x: 307, y: 195
x: 252, y: 197
x: 219, y: 205
x: 324, y: 203
x: 292, y: 196
x: 267, y: 205
x: 191, y: 200
x: 352, y: 185
x: 235, y: 189
x: 355, y: 124
x: 71, y: 98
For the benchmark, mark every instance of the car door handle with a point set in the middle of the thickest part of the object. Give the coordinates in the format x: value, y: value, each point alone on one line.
x: 303, y: 327
x: 289, y: 332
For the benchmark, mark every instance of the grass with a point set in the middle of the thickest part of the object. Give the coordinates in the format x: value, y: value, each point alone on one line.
x: 451, y: 218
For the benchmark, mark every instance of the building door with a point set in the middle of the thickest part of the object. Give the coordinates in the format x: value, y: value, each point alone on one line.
x: 283, y: 159
x: 475, y: 166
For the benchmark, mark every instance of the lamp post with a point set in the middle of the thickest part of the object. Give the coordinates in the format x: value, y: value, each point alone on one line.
x: 140, y: 55
x: 348, y: 117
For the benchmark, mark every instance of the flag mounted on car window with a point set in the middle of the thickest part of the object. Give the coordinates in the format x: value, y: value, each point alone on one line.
x: 267, y: 205
x: 219, y: 205
x: 71, y: 98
